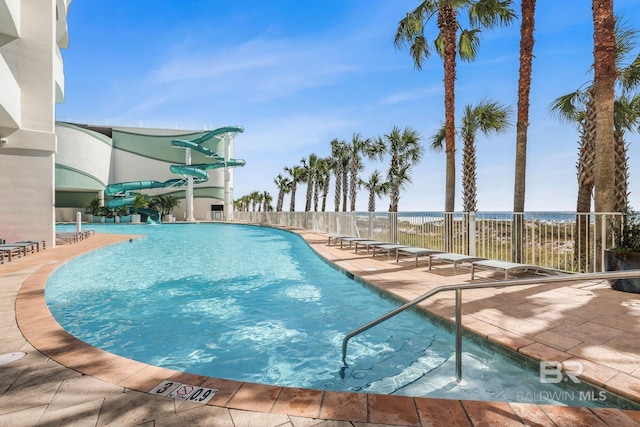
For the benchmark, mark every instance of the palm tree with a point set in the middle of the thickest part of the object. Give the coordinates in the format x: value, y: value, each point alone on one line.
x: 486, y: 117
x: 322, y: 181
x: 254, y: 197
x: 296, y: 173
x: 266, y: 201
x: 376, y: 188
x: 604, y: 60
x: 357, y: 149
x: 246, y: 200
x: 284, y: 187
x: 482, y: 14
x: 579, y: 107
x: 340, y: 162
x: 309, y: 177
x: 405, y: 151
x: 527, y: 26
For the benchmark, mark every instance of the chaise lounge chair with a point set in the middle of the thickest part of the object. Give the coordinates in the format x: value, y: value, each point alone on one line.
x: 456, y: 259
x: 335, y: 238
x: 10, y: 251
x: 351, y: 240
x: 368, y: 244
x: 415, y: 252
x: 388, y: 248
x: 509, y: 267
x: 35, y: 242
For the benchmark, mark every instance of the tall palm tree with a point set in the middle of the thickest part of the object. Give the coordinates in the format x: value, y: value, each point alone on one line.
x: 340, y: 162
x: 579, y: 107
x: 284, y: 187
x: 376, y: 186
x: 254, y: 196
x: 604, y: 60
x: 405, y: 151
x: 323, y: 179
x: 267, y: 198
x: 309, y: 166
x: 360, y: 147
x: 259, y: 199
x: 527, y: 26
x: 481, y: 14
x: 296, y: 173
x: 486, y: 117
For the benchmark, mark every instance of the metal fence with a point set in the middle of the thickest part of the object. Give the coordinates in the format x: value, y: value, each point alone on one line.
x: 559, y: 240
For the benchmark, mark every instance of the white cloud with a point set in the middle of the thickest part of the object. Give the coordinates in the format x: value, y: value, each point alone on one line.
x: 400, y: 97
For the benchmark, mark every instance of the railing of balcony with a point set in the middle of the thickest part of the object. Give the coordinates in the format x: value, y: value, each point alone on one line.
x: 563, y: 241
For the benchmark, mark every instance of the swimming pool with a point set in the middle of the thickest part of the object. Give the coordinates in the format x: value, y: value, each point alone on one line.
x: 257, y: 304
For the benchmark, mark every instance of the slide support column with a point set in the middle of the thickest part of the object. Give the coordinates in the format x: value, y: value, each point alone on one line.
x: 189, y: 187
x: 227, y: 213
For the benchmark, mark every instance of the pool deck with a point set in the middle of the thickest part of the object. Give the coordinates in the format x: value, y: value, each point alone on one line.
x: 62, y: 381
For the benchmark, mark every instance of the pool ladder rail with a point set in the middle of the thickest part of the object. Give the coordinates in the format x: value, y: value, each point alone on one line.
x: 458, y: 288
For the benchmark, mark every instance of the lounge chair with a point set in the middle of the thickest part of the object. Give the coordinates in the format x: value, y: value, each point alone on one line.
x: 456, y: 259
x: 369, y: 244
x: 415, y: 252
x: 509, y: 267
x: 10, y: 251
x: 335, y: 238
x: 27, y: 247
x: 351, y: 240
x: 388, y: 248
x: 36, y: 242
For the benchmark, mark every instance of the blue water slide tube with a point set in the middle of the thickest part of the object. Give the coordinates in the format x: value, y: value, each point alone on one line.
x: 152, y: 214
x: 194, y: 170
x: 121, y: 188
x: 196, y: 144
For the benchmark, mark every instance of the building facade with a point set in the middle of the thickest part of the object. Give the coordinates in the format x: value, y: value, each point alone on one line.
x: 32, y: 32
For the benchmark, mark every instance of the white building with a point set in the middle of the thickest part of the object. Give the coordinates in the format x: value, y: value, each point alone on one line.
x: 32, y: 81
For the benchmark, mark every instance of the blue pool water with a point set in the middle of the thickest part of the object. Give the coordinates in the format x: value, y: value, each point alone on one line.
x: 257, y: 304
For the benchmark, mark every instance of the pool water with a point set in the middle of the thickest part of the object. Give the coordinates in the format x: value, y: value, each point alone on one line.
x: 257, y: 304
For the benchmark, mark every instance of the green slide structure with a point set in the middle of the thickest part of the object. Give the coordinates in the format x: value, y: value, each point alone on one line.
x: 123, y: 192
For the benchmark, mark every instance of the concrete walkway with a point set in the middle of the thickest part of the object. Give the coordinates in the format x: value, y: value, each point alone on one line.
x: 64, y: 382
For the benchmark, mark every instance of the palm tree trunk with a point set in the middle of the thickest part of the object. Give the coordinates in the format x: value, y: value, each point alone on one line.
x: 309, y: 195
x: 527, y: 27
x: 586, y: 161
x: 622, y: 173
x: 345, y: 187
x: 469, y: 198
x: 338, y: 188
x: 448, y: 26
x: 292, y: 205
x: 604, y: 53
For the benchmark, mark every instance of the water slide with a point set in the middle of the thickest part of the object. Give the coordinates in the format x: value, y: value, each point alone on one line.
x: 123, y: 192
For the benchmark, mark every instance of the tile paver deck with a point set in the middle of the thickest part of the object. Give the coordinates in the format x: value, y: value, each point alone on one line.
x: 62, y: 381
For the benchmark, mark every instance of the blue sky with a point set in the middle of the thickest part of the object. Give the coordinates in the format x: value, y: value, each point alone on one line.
x: 299, y: 73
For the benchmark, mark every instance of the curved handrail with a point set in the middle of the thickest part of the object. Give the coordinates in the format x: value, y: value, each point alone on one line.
x: 499, y: 284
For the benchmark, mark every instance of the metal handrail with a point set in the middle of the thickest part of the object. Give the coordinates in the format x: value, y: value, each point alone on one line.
x: 499, y: 284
